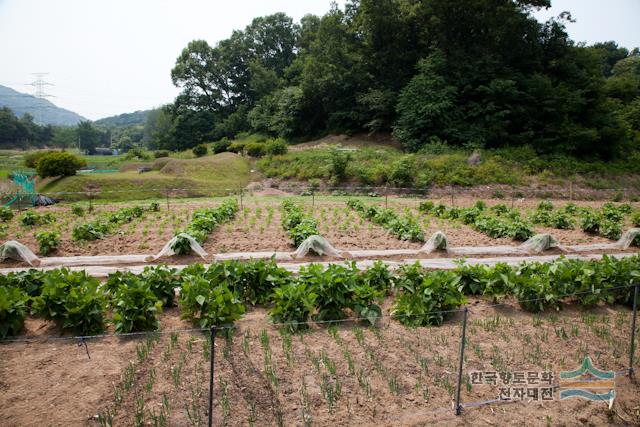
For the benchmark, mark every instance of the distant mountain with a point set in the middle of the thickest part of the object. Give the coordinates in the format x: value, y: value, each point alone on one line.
x: 43, y: 111
x: 126, y: 119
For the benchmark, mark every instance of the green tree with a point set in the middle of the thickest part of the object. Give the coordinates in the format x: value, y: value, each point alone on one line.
x: 58, y: 164
x: 88, y: 137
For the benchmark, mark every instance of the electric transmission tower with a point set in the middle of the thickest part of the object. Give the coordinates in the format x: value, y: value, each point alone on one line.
x: 39, y: 83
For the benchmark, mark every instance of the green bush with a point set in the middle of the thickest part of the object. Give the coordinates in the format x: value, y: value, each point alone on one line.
x: 635, y: 219
x: 135, y: 307
x: 30, y: 281
x: 160, y: 154
x: 256, y: 149
x: 200, y: 150
x: 276, y: 146
x: 13, y: 311
x: 6, y: 214
x: 73, y: 299
x: 293, y: 304
x: 48, y: 241
x: 338, y: 164
x: 58, y: 163
x: 428, y: 299
x: 31, y: 158
x: 237, y: 146
x: 221, y: 146
x: 305, y: 229
x: 208, y: 305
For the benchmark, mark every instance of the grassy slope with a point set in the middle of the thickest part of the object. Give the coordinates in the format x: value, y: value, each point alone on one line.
x: 211, y: 175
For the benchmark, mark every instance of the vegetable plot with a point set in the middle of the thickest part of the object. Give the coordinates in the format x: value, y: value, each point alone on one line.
x: 203, y: 223
x: 497, y: 221
x: 403, y: 227
x: 106, y: 223
x: 299, y: 226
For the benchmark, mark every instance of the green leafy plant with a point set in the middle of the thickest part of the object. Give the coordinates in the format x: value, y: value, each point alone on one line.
x: 77, y: 210
x: 590, y: 221
x: 6, y: 214
x: 74, y: 299
x: 136, y: 307
x: 204, y: 221
x: 611, y: 229
x: 427, y: 299
x: 31, y: 218
x: 293, y: 304
x: 208, y: 305
x: 48, y: 241
x: 13, y: 310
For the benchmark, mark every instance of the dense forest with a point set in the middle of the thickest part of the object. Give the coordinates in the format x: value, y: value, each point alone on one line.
x: 471, y: 73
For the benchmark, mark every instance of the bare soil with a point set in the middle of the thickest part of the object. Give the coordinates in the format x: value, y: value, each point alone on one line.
x: 387, y: 376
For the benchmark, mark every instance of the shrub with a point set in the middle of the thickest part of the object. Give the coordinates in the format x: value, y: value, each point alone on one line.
x: 276, y: 146
x: 427, y: 300
x: 200, y: 150
x: 73, y: 299
x: 292, y: 304
x: 256, y: 149
x: 58, y: 163
x: 209, y: 305
x: 160, y: 154
x: 561, y: 220
x: 136, y: 307
x: 221, y: 146
x: 338, y: 164
x: 48, y: 241
x: 13, y: 310
x: 6, y: 214
x: 31, y: 158
x: 426, y: 206
x: 237, y: 146
x: 635, y: 219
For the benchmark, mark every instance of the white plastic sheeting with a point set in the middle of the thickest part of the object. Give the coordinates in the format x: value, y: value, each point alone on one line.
x: 167, y: 250
x: 437, y: 242
x: 317, y: 244
x: 17, y: 251
x: 278, y: 256
x: 623, y: 243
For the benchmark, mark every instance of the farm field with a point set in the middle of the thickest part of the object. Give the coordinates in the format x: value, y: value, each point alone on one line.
x: 338, y: 346
x: 390, y: 375
x: 257, y: 226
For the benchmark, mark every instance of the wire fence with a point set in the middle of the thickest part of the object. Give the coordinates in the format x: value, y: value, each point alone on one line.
x: 342, y: 372
x: 450, y: 194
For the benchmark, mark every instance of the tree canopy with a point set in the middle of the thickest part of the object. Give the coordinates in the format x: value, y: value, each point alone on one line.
x: 480, y: 73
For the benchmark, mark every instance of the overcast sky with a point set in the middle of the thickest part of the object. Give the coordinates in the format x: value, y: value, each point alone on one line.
x: 110, y: 57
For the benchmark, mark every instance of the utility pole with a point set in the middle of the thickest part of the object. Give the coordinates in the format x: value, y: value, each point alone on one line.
x: 39, y: 83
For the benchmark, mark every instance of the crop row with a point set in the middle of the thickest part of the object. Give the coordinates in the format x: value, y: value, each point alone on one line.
x: 204, y: 221
x: 217, y: 295
x: 298, y: 225
x: 104, y: 224
x: 606, y: 221
x: 403, y: 227
x: 497, y: 221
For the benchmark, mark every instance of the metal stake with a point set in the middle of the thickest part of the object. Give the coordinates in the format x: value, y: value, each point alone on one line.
x: 386, y: 196
x: 212, y: 357
x: 633, y: 330
x: 167, y: 194
x: 241, y: 192
x: 461, y: 362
